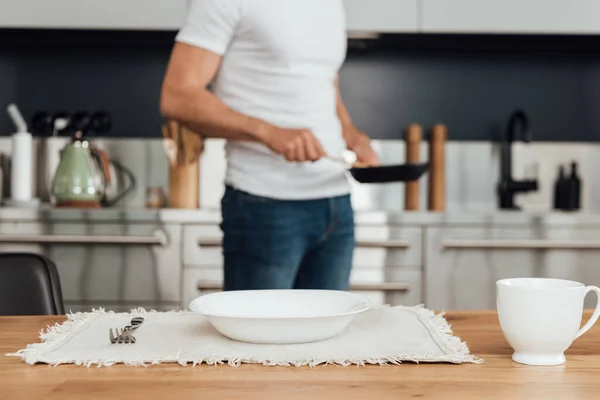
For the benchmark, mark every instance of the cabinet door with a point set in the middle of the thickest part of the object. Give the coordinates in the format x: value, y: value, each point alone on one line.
x: 386, y: 269
x: 93, y: 14
x: 463, y: 264
x: 105, y: 264
x: 381, y: 15
x: 510, y: 16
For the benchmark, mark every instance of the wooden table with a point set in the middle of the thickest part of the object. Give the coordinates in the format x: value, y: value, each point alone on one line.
x: 497, y: 378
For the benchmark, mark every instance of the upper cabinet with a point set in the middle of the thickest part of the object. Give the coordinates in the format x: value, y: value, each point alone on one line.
x: 362, y: 16
x: 382, y: 16
x: 93, y: 14
x: 510, y: 16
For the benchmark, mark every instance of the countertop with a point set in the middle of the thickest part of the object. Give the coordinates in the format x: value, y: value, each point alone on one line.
x: 497, y: 378
x: 362, y: 217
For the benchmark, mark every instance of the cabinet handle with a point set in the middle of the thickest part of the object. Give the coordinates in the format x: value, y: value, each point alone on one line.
x: 210, y: 242
x: 521, y: 244
x: 383, y: 244
x: 366, y: 244
x: 365, y: 287
x: 152, y: 240
x: 362, y: 35
x: 382, y: 287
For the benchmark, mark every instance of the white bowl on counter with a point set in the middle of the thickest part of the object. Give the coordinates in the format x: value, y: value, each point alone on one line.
x: 280, y: 316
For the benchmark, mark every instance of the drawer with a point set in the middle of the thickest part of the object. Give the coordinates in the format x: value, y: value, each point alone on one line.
x: 405, y: 290
x: 379, y: 258
x: 202, y: 245
x: 375, y: 246
x: 382, y: 275
x: 464, y: 263
x: 106, y: 262
x: 384, y: 245
x: 212, y: 277
x: 395, y: 287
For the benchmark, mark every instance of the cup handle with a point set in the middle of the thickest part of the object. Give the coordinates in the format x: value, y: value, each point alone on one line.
x: 596, y: 313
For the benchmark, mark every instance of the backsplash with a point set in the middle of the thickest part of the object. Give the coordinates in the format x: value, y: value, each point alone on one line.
x: 472, y: 173
x: 470, y: 83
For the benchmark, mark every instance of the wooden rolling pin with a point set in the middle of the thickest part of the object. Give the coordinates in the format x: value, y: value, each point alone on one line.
x: 414, y: 136
x: 437, y: 168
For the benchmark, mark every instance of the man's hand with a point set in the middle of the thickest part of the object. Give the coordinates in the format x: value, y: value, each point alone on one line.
x: 360, y: 144
x: 294, y: 144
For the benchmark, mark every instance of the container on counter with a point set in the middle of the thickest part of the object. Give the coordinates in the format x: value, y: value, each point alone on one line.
x: 155, y: 197
x: 574, y: 189
x: 184, y: 181
x: 21, y: 172
x: 560, y: 190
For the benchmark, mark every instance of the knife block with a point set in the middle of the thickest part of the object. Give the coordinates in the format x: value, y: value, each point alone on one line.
x: 184, y: 186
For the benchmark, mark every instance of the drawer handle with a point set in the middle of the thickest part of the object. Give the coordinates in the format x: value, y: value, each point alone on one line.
x: 210, y: 242
x: 383, y: 244
x: 365, y: 287
x: 383, y: 287
x: 521, y: 245
x: 152, y: 240
x: 367, y: 244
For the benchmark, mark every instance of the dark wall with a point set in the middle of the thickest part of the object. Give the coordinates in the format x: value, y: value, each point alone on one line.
x: 470, y: 83
x: 118, y: 72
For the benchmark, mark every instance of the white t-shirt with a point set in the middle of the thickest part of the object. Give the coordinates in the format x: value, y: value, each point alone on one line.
x: 280, y: 60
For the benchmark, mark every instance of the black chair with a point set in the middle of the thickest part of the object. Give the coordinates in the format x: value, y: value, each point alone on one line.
x: 29, y: 285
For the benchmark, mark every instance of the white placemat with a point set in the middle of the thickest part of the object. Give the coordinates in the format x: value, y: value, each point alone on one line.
x: 386, y: 335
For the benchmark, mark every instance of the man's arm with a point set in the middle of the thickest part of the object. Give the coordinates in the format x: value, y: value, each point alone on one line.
x: 186, y: 98
x: 356, y: 140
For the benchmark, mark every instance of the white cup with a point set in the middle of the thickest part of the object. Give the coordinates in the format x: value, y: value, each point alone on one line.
x: 540, y: 318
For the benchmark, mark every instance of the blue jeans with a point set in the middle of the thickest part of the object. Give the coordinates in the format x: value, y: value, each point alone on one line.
x: 282, y: 244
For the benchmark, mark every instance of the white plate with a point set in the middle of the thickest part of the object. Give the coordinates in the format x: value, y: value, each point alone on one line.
x: 280, y: 316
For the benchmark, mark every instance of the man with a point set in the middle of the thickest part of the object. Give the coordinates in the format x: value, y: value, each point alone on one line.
x: 287, y: 219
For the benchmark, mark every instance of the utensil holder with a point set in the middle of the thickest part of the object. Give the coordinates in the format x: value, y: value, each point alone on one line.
x: 184, y: 185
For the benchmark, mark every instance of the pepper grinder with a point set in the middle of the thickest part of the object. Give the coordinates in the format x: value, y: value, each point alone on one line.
x: 437, y: 172
x: 414, y: 136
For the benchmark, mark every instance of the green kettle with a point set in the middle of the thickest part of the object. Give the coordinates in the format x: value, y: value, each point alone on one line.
x: 82, y: 176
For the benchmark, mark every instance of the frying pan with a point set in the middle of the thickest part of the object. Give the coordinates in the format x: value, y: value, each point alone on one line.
x: 389, y: 173
x: 385, y: 173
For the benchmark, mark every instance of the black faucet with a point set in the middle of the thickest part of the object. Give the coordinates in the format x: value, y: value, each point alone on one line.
x: 516, y: 129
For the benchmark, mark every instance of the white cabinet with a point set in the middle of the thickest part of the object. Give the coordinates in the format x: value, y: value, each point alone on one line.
x: 510, y: 16
x: 381, y: 15
x: 113, y: 265
x: 387, y: 263
x: 463, y: 264
x: 93, y: 14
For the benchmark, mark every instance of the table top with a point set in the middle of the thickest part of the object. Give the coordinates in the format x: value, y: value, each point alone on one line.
x: 497, y: 378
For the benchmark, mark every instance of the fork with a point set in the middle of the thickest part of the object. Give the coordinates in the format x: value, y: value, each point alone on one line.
x: 121, y: 336
x: 125, y: 335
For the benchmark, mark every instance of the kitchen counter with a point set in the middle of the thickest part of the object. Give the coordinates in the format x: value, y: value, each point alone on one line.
x: 497, y: 378
x: 362, y: 217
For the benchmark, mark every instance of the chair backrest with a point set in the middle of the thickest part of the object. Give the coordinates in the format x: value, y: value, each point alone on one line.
x: 29, y: 285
